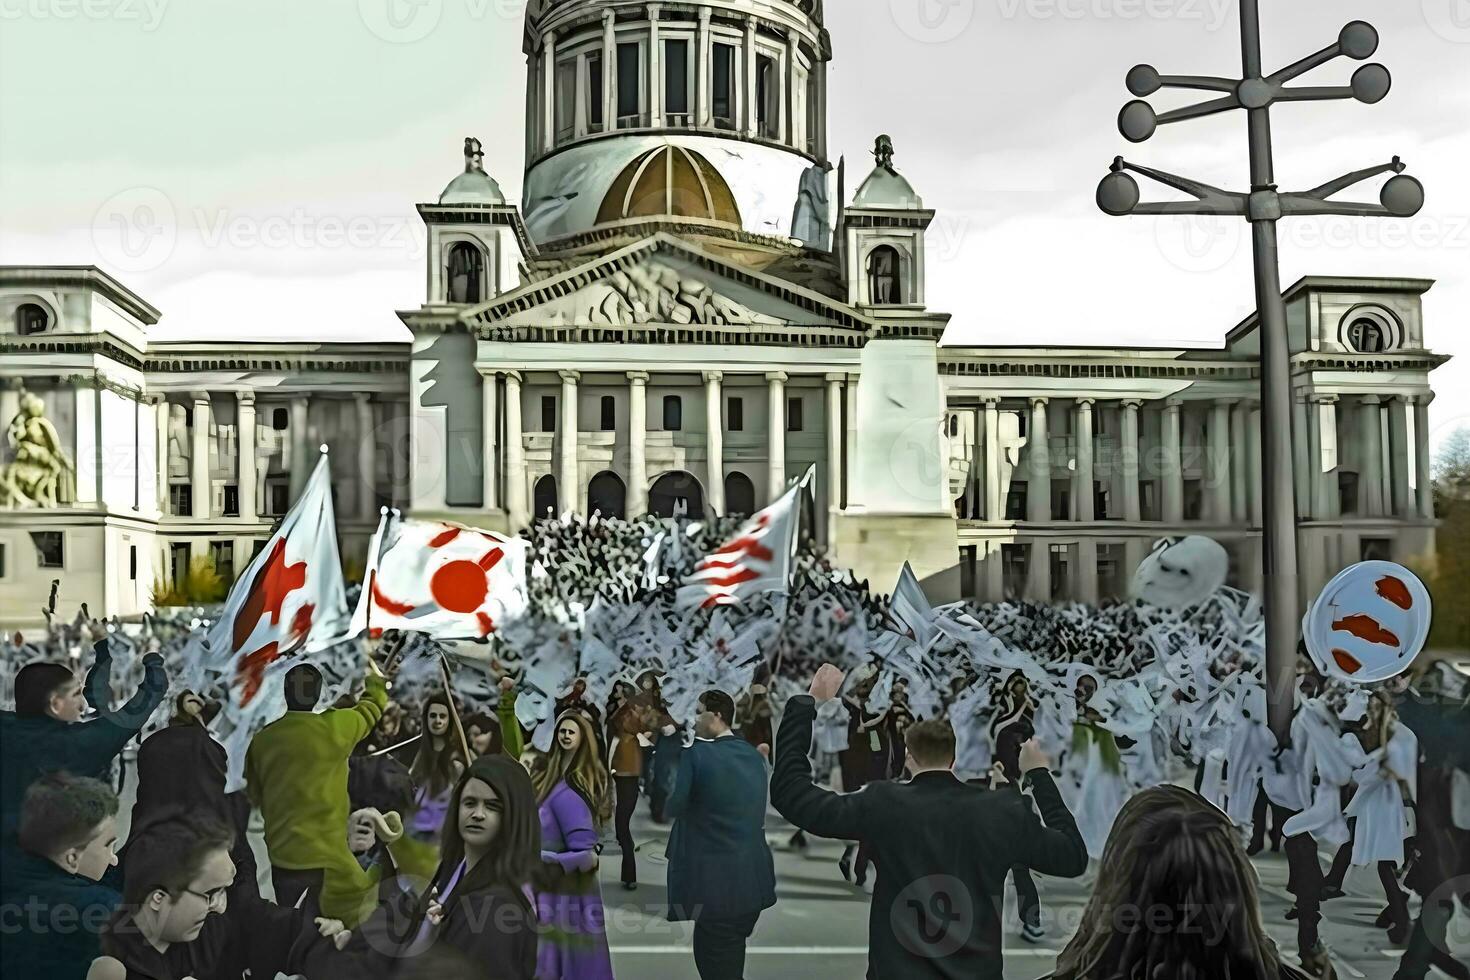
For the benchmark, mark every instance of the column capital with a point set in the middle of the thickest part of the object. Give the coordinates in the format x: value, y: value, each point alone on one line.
x: 834, y: 376
x: 200, y: 397
x: 704, y: 16
x: 513, y: 377
x: 1040, y: 400
x: 713, y: 376
x: 1424, y: 400
x: 608, y: 18
x: 1225, y: 401
x: 777, y: 376
x: 1300, y: 395
x: 638, y: 377
x: 1370, y: 399
x: 1406, y: 399
x: 1322, y: 399
x: 1132, y: 404
x: 1173, y: 403
x: 569, y: 376
x: 245, y: 398
x: 1086, y: 402
x: 364, y: 397
x: 991, y: 401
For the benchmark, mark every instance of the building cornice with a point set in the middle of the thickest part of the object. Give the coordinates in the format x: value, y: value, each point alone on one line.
x: 72, y: 276
x: 481, y: 214
x: 1340, y: 284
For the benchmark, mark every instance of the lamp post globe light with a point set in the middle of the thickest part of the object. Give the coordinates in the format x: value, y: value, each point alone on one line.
x: 1401, y: 196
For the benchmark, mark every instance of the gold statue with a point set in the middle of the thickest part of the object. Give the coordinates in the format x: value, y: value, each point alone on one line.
x: 40, y: 474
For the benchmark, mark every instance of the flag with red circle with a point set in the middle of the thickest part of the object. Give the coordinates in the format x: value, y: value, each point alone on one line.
x: 290, y: 599
x: 1369, y: 622
x: 446, y: 580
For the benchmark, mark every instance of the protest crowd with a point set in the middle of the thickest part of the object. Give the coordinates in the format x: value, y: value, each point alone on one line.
x: 439, y: 808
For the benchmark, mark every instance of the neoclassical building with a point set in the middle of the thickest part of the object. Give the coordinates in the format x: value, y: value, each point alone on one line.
x: 687, y: 310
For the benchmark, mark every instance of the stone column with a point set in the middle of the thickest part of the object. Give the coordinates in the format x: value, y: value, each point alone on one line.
x: 569, y: 489
x: 1370, y: 479
x: 515, y: 455
x: 1322, y: 417
x: 703, y: 59
x: 301, y: 461
x: 1087, y: 571
x: 1082, y: 476
x: 748, y: 77
x: 1257, y: 467
x: 994, y: 499
x: 714, y: 451
x: 788, y: 92
x: 849, y: 450
x: 1424, y: 488
x: 1172, y: 476
x: 1038, y: 571
x: 367, y: 457
x: 609, y: 71
x: 1300, y: 436
x: 161, y: 412
x: 1128, y: 457
x: 489, y: 439
x: 1217, y: 436
x: 995, y: 583
x: 1398, y: 455
x: 637, y: 443
x: 776, y: 434
x: 655, y: 70
x: 1239, y: 464
x: 834, y: 442
x: 199, y: 483
x: 1038, y: 452
x: 245, y: 476
x: 548, y: 91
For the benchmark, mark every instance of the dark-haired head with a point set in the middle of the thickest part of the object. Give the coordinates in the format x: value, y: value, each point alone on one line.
x: 483, y: 733
x: 178, y: 872
x: 1179, y: 899
x: 47, y: 689
x: 441, y: 744
x: 493, y: 816
x: 303, y: 687
x: 69, y: 819
x: 716, y: 714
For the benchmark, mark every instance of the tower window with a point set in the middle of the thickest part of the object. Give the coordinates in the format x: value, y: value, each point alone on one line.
x: 628, y: 75
x: 30, y: 318
x: 735, y: 414
x: 793, y: 414
x: 548, y: 413
x: 566, y: 100
x: 50, y: 549
x: 723, y: 94
x: 466, y: 270
x: 594, y: 92
x: 673, y: 413
x: 883, y: 288
x: 676, y: 81
x: 1367, y: 336
x: 609, y: 413
x: 767, y: 97
x: 279, y: 419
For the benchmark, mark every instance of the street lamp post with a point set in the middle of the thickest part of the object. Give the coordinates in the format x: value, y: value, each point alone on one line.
x: 1401, y: 196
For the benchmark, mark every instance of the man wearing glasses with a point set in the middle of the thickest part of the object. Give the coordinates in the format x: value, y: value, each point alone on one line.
x: 183, y: 916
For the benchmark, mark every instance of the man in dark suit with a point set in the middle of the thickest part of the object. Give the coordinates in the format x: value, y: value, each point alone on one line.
x: 943, y: 848
x: 720, y: 871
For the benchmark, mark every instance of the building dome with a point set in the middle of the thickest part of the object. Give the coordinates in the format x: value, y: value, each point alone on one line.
x: 474, y: 186
x: 669, y: 181
x: 885, y: 186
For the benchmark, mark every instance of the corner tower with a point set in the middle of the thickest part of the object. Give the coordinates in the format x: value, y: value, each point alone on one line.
x: 736, y: 87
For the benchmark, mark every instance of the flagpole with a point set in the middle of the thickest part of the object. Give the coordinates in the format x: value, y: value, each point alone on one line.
x: 453, y: 712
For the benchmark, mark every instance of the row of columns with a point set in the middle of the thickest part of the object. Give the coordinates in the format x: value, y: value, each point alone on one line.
x: 1382, y: 491
x: 702, y: 65
x: 568, y: 464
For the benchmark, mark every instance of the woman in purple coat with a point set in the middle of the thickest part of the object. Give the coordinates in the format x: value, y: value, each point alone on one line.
x: 572, y: 789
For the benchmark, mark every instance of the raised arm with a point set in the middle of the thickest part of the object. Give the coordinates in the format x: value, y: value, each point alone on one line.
x: 97, y: 688
x: 90, y: 746
x: 511, y: 739
x: 1057, y: 848
x: 352, y: 725
x: 795, y: 796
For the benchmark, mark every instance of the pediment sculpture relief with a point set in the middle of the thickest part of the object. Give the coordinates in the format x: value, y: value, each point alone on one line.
x: 654, y: 293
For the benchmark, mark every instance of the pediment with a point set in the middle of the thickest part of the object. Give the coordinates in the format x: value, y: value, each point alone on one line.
x: 664, y: 282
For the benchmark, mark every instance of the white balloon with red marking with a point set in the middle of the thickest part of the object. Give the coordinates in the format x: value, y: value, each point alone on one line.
x: 1369, y: 623
x: 1181, y: 573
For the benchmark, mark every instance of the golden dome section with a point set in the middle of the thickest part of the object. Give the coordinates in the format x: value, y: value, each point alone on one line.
x: 669, y: 181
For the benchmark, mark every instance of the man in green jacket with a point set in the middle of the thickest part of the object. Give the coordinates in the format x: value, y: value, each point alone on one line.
x: 296, y: 774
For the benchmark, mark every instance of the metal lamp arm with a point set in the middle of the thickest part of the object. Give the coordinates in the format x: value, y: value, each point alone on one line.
x: 1210, y: 83
x: 1314, y: 60
x: 1306, y: 205
x: 1347, y: 180
x: 1313, y: 93
x: 1214, y: 199
x: 1202, y: 109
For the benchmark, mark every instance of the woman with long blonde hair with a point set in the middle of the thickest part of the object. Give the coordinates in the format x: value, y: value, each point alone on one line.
x: 572, y: 789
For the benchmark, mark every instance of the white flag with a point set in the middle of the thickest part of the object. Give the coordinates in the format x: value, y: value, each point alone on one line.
x: 444, y: 580
x: 756, y: 560
x: 909, y: 610
x: 290, y: 598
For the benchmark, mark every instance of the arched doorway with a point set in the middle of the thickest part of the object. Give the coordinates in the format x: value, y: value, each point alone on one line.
x: 739, y: 494
x: 543, y: 501
x: 607, y: 495
x: 673, y: 487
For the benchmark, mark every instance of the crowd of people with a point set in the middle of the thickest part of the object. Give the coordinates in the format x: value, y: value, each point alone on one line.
x: 440, y: 810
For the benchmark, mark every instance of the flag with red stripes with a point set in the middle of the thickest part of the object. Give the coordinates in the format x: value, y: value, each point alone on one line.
x: 448, y: 581
x: 756, y: 560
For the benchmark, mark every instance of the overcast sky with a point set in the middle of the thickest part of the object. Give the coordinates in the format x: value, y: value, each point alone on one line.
x: 251, y: 167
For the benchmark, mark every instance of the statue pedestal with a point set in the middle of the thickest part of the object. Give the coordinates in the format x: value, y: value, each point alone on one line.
x: 875, y: 546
